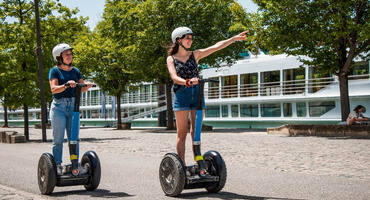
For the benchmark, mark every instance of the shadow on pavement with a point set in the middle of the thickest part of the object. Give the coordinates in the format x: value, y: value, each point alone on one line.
x: 99, y: 193
x: 226, y: 195
x: 86, y: 139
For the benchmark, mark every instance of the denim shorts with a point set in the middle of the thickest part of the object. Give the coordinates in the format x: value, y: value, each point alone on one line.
x: 186, y: 98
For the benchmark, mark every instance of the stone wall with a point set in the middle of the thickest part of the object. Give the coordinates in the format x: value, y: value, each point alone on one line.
x: 322, y: 130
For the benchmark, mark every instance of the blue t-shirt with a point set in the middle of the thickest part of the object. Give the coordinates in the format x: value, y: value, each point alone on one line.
x: 63, y: 77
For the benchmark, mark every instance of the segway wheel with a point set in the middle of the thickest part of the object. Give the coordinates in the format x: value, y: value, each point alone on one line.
x: 172, y: 175
x: 90, y: 160
x: 46, y: 174
x: 216, y: 166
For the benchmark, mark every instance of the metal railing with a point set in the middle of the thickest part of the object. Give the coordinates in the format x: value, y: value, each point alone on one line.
x: 137, y: 105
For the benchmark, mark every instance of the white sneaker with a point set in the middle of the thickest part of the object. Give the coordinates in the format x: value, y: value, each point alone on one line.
x: 59, y: 169
x: 81, y: 169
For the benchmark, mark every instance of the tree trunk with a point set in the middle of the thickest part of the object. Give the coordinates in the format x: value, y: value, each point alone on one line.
x: 6, y: 117
x: 170, y: 124
x: 26, y: 122
x: 344, y: 96
x: 161, y: 102
x: 119, y: 117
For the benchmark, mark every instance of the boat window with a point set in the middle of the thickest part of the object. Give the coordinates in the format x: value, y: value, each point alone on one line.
x: 225, y: 110
x: 133, y: 96
x: 229, y: 86
x: 294, y: 81
x: 318, y: 79
x: 271, y: 110
x: 213, y: 89
x: 15, y: 116
x: 360, y: 71
x: 145, y: 93
x: 212, y: 111
x: 88, y: 114
x: 35, y: 115
x: 94, y: 99
x: 154, y: 93
x: 132, y: 111
x: 248, y: 110
x: 270, y: 83
x: 249, y: 85
x: 317, y: 109
x: 155, y: 115
x: 287, y: 109
x: 95, y: 114
x: 124, y: 98
x: 234, y: 111
x: 301, y: 109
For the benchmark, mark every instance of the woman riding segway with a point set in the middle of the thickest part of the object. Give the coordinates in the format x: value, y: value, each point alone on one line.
x: 182, y: 65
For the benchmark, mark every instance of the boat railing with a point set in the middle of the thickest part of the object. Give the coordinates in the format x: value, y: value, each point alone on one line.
x: 126, y: 99
x: 134, y: 103
x: 290, y: 87
x: 277, y: 88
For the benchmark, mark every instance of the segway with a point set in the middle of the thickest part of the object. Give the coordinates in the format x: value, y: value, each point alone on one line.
x: 209, y: 172
x: 47, y: 169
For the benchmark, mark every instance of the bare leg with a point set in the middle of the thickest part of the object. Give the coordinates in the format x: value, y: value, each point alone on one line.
x: 182, y: 130
x: 351, y: 121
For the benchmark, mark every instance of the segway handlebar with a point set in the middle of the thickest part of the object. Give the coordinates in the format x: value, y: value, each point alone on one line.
x: 210, y: 80
x: 79, y: 85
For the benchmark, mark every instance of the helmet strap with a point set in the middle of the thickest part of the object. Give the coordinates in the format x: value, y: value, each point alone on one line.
x: 69, y: 65
x: 60, y: 61
x: 179, y: 43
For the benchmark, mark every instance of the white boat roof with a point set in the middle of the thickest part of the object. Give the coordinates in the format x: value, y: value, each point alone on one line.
x: 255, y: 64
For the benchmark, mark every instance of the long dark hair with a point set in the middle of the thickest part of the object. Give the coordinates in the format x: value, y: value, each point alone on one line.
x: 358, y: 108
x: 172, y: 49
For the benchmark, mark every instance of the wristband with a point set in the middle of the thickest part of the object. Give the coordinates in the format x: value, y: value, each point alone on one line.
x: 188, y: 83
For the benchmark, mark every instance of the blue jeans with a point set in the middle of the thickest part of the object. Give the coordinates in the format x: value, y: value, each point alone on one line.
x: 186, y: 98
x: 61, y: 114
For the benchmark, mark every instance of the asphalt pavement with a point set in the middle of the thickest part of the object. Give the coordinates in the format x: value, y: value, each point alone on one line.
x: 259, y: 166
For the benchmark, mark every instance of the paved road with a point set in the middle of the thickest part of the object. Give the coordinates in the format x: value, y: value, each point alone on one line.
x: 259, y: 166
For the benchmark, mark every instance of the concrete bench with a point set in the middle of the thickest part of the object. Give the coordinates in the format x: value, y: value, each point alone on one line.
x: 322, y: 130
x: 11, y: 137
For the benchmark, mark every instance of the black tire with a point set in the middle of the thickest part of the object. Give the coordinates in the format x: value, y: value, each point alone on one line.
x: 216, y: 166
x: 172, y: 175
x: 46, y: 173
x: 92, y: 161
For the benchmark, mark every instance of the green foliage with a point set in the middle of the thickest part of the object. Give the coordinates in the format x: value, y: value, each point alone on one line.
x: 332, y: 33
x: 19, y: 76
x: 142, y: 30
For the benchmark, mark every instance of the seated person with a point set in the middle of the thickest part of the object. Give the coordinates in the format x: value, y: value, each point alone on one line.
x: 356, y: 116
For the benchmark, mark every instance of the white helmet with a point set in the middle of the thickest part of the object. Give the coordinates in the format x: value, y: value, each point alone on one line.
x: 180, y: 32
x: 59, y: 49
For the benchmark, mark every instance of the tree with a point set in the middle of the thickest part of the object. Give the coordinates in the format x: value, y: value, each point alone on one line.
x: 18, y: 43
x: 110, y: 54
x: 143, y: 30
x: 331, y: 33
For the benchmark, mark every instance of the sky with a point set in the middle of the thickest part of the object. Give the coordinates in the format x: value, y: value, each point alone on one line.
x: 94, y: 8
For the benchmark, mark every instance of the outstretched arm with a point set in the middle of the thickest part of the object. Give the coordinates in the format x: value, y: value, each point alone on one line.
x: 202, y: 53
